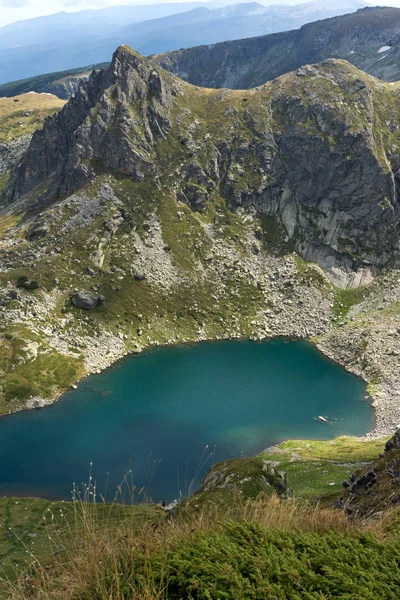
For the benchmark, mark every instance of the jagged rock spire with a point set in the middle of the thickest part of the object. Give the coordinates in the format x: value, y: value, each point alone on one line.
x: 112, y: 121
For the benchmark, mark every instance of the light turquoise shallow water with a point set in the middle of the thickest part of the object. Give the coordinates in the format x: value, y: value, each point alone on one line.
x: 157, y: 412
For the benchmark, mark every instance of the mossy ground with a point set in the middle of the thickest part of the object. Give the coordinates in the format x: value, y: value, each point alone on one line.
x: 345, y: 299
x: 50, y: 373
x: 316, y: 469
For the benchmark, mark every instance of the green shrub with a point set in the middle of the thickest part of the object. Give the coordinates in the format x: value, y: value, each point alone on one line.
x: 245, y: 560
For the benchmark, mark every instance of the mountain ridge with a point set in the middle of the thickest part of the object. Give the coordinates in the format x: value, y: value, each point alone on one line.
x: 57, y: 43
x: 241, y: 64
x: 77, y: 143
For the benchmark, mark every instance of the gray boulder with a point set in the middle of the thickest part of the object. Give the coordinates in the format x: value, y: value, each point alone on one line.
x: 87, y: 300
x: 38, y: 230
x: 140, y: 276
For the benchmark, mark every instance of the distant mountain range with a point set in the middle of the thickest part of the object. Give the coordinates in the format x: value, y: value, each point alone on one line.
x: 66, y: 41
x: 369, y: 39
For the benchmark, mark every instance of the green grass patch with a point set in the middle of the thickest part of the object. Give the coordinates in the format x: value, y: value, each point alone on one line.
x: 345, y: 299
x: 31, y: 368
x: 344, y: 448
x: 183, y: 234
x: 34, y: 529
x: 24, y: 114
x: 317, y: 480
x: 313, y: 275
x: 317, y: 468
x: 274, y: 239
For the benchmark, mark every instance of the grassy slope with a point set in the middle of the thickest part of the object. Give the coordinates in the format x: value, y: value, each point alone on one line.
x: 24, y: 114
x: 310, y: 465
x: 317, y: 469
x: 33, y: 529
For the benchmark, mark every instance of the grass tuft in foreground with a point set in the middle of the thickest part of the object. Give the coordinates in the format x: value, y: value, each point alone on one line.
x: 267, y: 548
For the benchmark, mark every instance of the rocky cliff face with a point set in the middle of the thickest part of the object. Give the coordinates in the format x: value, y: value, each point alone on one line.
x: 314, y: 149
x: 373, y: 491
x: 114, y: 120
x: 66, y: 87
x: 369, y: 39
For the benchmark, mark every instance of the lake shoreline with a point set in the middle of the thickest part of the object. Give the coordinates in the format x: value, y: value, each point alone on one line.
x: 172, y: 409
x: 381, y: 409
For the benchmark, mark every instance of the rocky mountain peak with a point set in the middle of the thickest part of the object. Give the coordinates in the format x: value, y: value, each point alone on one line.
x: 314, y: 149
x: 111, y: 123
x: 136, y: 79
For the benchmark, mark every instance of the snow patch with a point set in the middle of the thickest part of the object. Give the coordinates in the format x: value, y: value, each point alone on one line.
x: 42, y: 94
x: 384, y: 49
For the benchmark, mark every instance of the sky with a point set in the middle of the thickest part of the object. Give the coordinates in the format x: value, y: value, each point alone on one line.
x: 16, y: 10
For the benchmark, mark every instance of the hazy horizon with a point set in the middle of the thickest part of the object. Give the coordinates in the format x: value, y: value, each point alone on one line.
x: 19, y: 10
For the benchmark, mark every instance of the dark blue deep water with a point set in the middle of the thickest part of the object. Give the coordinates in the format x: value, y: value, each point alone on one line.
x: 156, y: 413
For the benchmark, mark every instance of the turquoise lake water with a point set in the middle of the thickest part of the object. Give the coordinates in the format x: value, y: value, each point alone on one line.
x: 164, y: 413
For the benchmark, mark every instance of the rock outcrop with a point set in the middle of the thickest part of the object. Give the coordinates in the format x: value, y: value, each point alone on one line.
x: 112, y: 122
x: 11, y: 152
x: 247, y: 476
x: 374, y: 490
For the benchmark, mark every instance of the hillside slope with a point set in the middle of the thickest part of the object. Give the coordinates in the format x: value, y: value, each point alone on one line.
x: 369, y: 39
x: 150, y: 211
x: 372, y: 491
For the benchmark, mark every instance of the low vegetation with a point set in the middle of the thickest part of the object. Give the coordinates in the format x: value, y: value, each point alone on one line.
x: 26, y: 113
x: 255, y: 549
x: 316, y: 469
x: 345, y: 299
x: 37, y: 369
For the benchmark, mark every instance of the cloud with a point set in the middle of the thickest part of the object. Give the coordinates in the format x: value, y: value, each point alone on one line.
x: 14, y: 3
x: 72, y: 2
